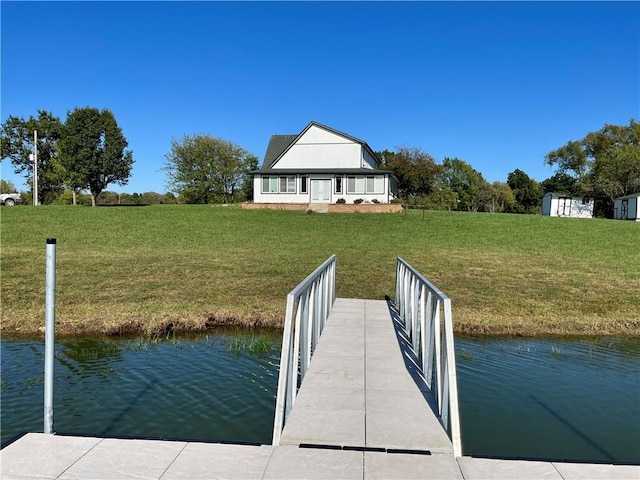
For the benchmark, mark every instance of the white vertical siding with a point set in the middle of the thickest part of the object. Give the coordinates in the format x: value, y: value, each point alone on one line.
x: 345, y: 155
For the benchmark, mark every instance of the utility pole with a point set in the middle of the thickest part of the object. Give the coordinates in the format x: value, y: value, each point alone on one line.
x: 35, y: 168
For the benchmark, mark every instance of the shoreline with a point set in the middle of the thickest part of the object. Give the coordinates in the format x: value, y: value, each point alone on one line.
x: 161, y: 328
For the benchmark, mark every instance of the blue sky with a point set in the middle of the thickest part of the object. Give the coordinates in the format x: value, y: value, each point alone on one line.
x: 497, y: 84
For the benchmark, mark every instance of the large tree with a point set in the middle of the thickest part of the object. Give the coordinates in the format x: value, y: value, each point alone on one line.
x: 467, y: 183
x: 204, y: 169
x: 415, y: 171
x: 606, y: 162
x: 526, y: 190
x: 561, y: 183
x: 17, y: 135
x: 93, y: 151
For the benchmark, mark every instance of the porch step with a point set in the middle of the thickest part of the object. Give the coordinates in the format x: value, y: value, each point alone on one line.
x: 318, y: 207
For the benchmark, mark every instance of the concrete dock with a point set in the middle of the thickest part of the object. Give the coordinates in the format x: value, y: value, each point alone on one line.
x: 363, y: 412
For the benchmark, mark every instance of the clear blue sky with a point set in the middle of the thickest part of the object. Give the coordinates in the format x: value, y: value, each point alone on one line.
x: 497, y: 84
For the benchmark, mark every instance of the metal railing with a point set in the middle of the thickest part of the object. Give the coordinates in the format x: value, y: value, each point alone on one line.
x: 308, y: 306
x: 427, y: 317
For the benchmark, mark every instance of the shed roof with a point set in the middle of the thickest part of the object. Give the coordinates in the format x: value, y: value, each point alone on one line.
x: 632, y: 195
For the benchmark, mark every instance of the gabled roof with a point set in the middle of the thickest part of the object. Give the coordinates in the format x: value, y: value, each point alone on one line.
x: 279, y: 144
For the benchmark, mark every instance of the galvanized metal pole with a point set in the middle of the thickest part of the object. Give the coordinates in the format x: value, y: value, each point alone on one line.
x: 36, y: 201
x: 49, y: 335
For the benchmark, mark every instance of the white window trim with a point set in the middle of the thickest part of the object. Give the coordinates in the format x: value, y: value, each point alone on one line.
x: 278, y: 179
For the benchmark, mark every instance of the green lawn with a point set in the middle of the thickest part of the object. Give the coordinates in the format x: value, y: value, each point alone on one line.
x: 142, y: 268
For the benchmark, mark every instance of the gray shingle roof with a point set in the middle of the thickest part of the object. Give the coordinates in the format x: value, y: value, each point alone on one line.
x: 277, y: 145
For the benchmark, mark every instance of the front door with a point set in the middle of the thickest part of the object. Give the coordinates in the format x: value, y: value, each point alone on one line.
x: 320, y: 190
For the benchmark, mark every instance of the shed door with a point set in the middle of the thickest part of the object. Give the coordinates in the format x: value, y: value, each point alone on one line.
x: 624, y: 215
x: 564, y: 206
x: 320, y: 190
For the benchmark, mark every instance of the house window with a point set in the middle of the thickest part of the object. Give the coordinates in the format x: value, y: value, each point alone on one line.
x: 360, y: 184
x: 355, y: 184
x: 287, y: 184
x: 269, y: 184
x: 375, y: 184
x: 273, y: 184
x: 303, y: 183
x: 338, y: 184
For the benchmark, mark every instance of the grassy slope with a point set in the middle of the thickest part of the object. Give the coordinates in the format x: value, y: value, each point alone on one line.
x: 145, y: 267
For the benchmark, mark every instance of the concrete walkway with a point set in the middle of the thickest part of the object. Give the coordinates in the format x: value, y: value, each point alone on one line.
x: 362, y: 401
x: 41, y: 456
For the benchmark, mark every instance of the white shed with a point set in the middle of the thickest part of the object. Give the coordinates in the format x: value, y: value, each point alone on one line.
x: 626, y: 208
x: 563, y: 205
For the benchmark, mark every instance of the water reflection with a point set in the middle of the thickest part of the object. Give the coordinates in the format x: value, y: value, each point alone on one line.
x: 528, y: 398
x: 548, y: 398
x: 216, y: 388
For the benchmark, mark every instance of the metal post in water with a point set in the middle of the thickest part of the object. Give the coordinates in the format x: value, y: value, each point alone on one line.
x: 50, y: 332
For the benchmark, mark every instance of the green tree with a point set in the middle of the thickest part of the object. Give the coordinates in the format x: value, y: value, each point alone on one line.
x: 93, y: 151
x: 246, y: 185
x: 204, y: 169
x: 561, y: 183
x: 414, y: 169
x: 16, y: 144
x: 468, y: 184
x: 7, y: 186
x: 527, y: 192
x: 501, y: 198
x: 570, y: 159
x: 605, y: 163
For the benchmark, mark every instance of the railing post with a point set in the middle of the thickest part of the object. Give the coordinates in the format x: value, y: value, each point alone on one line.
x: 50, y: 333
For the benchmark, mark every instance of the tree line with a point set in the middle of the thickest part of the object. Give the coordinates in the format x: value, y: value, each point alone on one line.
x: 88, y: 152
x: 604, y: 165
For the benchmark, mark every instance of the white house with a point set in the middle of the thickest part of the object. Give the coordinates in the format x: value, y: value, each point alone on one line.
x: 320, y: 165
x: 626, y: 208
x: 562, y: 205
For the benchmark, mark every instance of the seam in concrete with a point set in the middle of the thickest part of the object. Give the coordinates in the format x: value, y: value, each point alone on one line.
x: 173, y: 461
x: 80, y: 458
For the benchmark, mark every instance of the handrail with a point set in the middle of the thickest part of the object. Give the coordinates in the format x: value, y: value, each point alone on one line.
x: 427, y: 317
x: 308, y: 306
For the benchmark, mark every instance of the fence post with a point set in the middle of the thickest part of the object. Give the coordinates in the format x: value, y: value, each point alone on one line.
x: 50, y: 333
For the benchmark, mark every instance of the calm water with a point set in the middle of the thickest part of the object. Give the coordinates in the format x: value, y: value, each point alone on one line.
x: 577, y: 400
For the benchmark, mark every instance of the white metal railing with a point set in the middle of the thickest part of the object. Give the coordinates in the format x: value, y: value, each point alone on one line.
x: 308, y: 306
x: 427, y: 317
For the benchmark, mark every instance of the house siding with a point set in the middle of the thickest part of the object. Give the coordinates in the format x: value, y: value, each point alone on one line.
x: 298, y: 197
x: 333, y: 155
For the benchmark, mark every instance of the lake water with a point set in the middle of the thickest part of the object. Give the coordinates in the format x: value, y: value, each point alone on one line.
x: 528, y: 398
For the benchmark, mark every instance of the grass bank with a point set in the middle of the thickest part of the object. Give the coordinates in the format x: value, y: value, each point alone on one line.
x: 155, y: 268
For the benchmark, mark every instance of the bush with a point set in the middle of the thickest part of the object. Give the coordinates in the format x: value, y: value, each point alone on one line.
x: 341, y: 200
x: 358, y: 200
